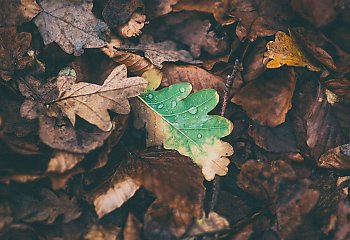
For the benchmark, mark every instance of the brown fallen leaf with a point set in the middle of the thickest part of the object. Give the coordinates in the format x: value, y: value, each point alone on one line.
x: 158, y: 8
x: 14, y: 13
x: 268, y: 99
x: 343, y: 223
x: 160, y: 52
x: 316, y: 126
x: 338, y: 158
x: 259, y: 18
x: 14, y: 52
x: 160, y: 172
x: 340, y: 87
x: 71, y: 25
x: 119, y: 12
x: 286, y: 51
x: 132, y: 229
x: 135, y: 63
x: 133, y: 27
x: 46, y: 207
x: 91, y: 101
x: 5, y: 214
x: 255, y: 62
x: 207, y: 6
x: 198, y: 77
x: 197, y: 34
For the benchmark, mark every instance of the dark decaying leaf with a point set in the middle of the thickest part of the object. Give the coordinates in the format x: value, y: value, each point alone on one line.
x: 101, y: 232
x: 160, y: 7
x: 15, y: 12
x: 132, y: 229
x: 343, y: 223
x: 71, y: 25
x: 14, y: 53
x: 340, y: 87
x: 317, y: 128
x: 268, y: 98
x: 5, y: 214
x: 46, y: 207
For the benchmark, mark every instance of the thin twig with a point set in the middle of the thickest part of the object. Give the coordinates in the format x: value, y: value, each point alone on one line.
x: 228, y: 86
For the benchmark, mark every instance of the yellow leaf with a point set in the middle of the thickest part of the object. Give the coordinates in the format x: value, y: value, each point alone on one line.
x: 91, y: 101
x: 285, y: 51
x: 154, y: 78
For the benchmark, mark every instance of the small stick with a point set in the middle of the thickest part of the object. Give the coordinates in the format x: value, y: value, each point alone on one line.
x: 228, y: 86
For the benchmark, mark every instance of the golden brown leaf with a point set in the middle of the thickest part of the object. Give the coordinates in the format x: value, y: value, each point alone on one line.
x: 63, y: 161
x: 338, y: 158
x: 132, y: 229
x: 91, y: 101
x: 286, y: 51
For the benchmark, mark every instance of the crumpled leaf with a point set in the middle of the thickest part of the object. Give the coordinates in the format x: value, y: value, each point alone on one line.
x: 258, y: 18
x: 91, y: 101
x: 286, y: 51
x: 160, y: 7
x: 119, y: 12
x: 46, y: 207
x: 180, y: 122
x: 133, y: 27
x: 340, y: 87
x: 267, y: 99
x: 71, y: 25
x: 14, y: 49
x: 197, y: 34
x: 160, y: 52
x: 14, y: 12
x: 135, y: 63
x: 160, y: 172
x: 199, y: 78
x: 338, y: 158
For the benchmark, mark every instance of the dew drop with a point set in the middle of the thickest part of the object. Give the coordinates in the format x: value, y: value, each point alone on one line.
x: 182, y: 89
x: 186, y: 131
x: 196, y: 117
x: 173, y: 104
x: 193, y: 110
x: 205, y: 108
x: 162, y: 130
x: 160, y: 106
x: 199, y: 135
x: 150, y: 96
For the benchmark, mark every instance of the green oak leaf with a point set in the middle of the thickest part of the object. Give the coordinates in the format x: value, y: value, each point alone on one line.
x: 180, y: 121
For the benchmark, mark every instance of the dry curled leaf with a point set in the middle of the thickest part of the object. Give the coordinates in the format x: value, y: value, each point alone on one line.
x: 62, y: 161
x: 341, y: 87
x: 71, y: 25
x: 91, y: 101
x: 16, y: 12
x: 133, y: 27
x: 268, y: 98
x: 286, y: 51
x: 14, y: 49
x: 135, y: 63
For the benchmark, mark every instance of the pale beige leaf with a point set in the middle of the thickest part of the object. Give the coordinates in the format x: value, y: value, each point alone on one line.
x: 115, y: 196
x: 91, y: 101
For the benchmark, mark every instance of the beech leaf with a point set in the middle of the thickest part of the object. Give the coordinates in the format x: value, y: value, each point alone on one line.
x: 285, y: 51
x: 71, y: 25
x: 180, y: 122
x: 91, y: 101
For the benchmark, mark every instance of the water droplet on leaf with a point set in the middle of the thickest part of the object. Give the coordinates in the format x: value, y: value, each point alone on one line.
x: 199, y: 135
x: 150, y: 96
x: 160, y: 106
x: 193, y: 110
x: 182, y: 89
x: 173, y: 104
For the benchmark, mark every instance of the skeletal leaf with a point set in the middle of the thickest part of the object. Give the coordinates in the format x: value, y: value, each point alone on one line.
x: 285, y: 51
x: 181, y: 123
x: 91, y: 101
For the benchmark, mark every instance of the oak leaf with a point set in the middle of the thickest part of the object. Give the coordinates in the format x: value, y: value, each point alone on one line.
x: 286, y: 51
x: 15, y: 12
x: 180, y: 122
x: 71, y: 25
x: 91, y: 101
